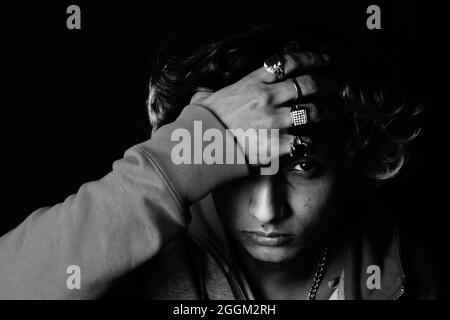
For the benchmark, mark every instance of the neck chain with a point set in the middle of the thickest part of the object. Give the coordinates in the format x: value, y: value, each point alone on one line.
x: 318, y: 275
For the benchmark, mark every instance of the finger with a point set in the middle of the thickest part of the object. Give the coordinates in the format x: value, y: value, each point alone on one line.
x: 285, y: 143
x: 199, y: 96
x: 316, y: 112
x: 288, y: 141
x: 282, y: 92
x: 282, y: 118
x: 312, y: 112
x: 294, y: 62
x: 312, y: 85
x: 304, y: 61
x: 302, y: 86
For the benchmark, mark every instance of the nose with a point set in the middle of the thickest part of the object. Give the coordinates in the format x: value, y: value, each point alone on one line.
x: 266, y: 203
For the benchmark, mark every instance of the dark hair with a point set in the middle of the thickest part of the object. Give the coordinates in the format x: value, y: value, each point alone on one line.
x: 379, y: 120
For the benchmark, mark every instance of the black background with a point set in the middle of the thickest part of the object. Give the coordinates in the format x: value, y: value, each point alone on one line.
x: 75, y: 99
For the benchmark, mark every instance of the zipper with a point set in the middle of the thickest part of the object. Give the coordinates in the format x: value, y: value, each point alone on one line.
x: 230, y: 278
x: 229, y: 287
x: 399, y: 294
x: 234, y: 286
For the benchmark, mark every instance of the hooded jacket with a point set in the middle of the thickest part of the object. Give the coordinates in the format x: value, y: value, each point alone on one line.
x: 149, y: 229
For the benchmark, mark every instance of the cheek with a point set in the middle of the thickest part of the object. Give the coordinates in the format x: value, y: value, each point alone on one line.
x: 231, y: 201
x: 312, y: 200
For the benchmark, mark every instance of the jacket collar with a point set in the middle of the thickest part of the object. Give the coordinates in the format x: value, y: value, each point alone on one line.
x: 367, y: 241
x: 373, y: 246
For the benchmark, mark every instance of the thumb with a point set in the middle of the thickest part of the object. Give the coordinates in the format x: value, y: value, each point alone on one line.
x: 201, y: 95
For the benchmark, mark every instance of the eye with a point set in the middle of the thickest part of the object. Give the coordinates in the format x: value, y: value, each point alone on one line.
x: 308, y: 167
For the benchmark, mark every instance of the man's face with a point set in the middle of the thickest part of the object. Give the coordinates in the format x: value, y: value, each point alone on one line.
x: 273, y: 218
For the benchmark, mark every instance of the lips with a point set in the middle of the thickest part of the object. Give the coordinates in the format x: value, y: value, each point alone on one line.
x: 272, y: 239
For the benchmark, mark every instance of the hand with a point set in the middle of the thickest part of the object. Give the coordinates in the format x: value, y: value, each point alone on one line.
x: 257, y: 101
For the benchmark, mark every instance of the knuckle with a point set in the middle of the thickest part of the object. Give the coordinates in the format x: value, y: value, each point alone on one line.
x: 272, y: 122
x: 313, y: 58
x: 313, y: 111
x: 249, y: 83
x: 289, y: 63
x: 263, y: 96
x: 253, y: 77
x: 308, y: 83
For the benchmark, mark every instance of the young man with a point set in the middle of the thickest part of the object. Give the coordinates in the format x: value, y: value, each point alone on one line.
x: 161, y: 228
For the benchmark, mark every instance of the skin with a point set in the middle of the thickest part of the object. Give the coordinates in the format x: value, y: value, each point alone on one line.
x: 305, y: 199
x: 302, y: 201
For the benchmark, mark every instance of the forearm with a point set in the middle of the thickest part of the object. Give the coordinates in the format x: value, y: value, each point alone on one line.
x: 112, y: 225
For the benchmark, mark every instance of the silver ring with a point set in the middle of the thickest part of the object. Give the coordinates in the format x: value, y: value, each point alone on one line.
x: 298, y: 90
x: 275, y: 65
x: 299, y: 115
x: 298, y: 147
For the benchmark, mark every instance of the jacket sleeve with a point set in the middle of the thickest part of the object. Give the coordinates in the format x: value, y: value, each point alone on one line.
x: 112, y: 225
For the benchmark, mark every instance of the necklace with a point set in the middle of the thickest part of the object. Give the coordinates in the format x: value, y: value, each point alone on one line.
x: 318, y: 275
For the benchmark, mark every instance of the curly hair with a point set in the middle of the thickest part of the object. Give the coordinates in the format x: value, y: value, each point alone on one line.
x: 379, y: 120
